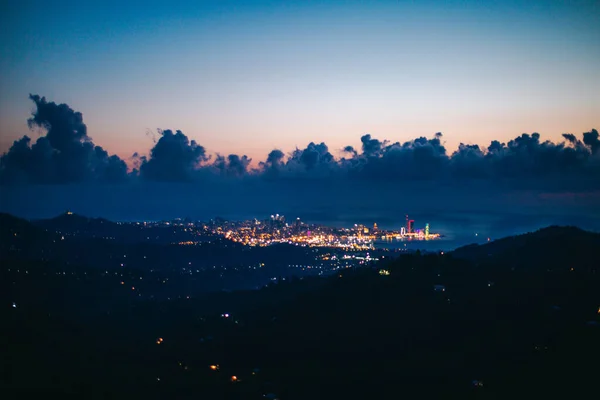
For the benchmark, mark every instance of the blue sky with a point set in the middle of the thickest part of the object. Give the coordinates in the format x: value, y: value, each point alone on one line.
x: 249, y: 76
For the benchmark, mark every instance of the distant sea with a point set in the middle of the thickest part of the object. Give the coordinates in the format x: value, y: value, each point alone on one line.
x: 460, y: 229
x: 439, y: 244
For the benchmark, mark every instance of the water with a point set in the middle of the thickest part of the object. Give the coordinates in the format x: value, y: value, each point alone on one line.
x: 433, y: 245
x: 457, y: 229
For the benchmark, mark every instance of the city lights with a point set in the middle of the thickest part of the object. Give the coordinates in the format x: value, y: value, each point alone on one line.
x: 277, y: 231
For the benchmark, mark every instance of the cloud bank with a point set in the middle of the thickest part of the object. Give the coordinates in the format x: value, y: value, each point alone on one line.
x: 66, y: 163
x: 64, y: 153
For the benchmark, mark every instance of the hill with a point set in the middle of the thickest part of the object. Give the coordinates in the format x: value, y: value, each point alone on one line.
x: 81, y: 227
x: 19, y: 236
x: 11, y: 226
x: 73, y: 224
x: 555, y: 245
x: 432, y: 325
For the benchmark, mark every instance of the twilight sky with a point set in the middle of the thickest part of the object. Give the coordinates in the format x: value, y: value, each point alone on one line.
x: 246, y: 77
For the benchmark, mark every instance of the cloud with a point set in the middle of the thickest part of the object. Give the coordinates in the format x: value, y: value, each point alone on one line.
x: 591, y: 140
x: 233, y: 165
x: 371, y: 147
x: 350, y: 150
x: 570, y: 138
x: 174, y: 158
x: 312, y: 157
x: 527, y: 158
x: 469, y: 162
x: 64, y: 154
x: 416, y: 173
x: 272, y: 165
x: 421, y: 158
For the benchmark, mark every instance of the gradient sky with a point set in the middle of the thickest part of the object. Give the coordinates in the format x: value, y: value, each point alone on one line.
x: 248, y: 76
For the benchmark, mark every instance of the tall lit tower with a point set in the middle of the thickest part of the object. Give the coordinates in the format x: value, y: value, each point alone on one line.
x: 427, y: 230
x: 410, y: 227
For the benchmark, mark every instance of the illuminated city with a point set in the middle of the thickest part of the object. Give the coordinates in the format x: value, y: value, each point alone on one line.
x: 276, y: 230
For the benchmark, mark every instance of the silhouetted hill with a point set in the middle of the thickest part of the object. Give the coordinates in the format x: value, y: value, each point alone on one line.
x: 71, y: 221
x: 216, y: 265
x: 77, y: 225
x: 536, y: 249
x: 11, y: 226
x: 81, y: 227
x: 432, y: 326
x: 19, y: 235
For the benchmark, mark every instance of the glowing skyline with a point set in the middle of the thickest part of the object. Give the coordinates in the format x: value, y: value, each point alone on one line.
x: 248, y: 77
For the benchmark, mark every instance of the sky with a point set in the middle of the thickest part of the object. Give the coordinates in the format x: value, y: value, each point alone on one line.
x: 456, y: 112
x: 246, y: 77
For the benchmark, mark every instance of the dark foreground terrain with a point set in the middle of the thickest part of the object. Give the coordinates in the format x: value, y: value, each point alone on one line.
x: 516, y: 318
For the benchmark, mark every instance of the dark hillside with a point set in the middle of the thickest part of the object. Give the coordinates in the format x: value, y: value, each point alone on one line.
x: 553, y: 246
x: 501, y: 325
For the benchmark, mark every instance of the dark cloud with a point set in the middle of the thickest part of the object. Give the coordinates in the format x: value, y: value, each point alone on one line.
x: 591, y: 140
x: 64, y: 154
x: 570, y: 138
x: 421, y: 158
x: 275, y: 158
x: 174, y: 158
x: 232, y: 165
x: 350, y: 150
x: 526, y: 157
x: 109, y: 167
x: 273, y: 164
x: 313, y: 156
x: 371, y: 147
x: 65, y: 127
x: 469, y: 161
x: 312, y: 162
